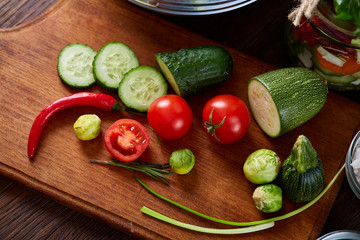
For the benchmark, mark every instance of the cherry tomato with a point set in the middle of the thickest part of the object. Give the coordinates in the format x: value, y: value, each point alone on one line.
x: 226, y: 118
x: 126, y: 139
x: 170, y: 116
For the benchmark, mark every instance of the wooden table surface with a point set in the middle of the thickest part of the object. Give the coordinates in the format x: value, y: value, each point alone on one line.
x: 256, y: 30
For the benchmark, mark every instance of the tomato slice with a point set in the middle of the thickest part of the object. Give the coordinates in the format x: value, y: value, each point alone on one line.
x: 126, y: 139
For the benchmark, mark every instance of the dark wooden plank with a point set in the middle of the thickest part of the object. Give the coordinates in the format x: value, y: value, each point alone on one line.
x: 25, y: 214
x: 14, y: 13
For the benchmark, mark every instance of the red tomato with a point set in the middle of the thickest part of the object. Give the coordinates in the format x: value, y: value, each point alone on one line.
x: 226, y: 118
x: 126, y: 139
x: 170, y: 116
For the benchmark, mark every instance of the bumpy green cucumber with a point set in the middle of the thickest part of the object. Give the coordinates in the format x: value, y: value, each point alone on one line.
x: 194, y: 70
x: 283, y: 99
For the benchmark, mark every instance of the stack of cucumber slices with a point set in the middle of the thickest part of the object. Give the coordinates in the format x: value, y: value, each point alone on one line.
x: 116, y: 68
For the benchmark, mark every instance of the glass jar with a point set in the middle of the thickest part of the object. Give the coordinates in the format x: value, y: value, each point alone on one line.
x: 350, y: 173
x: 328, y: 46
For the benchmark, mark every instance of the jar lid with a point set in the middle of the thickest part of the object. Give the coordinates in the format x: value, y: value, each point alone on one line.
x: 339, y: 235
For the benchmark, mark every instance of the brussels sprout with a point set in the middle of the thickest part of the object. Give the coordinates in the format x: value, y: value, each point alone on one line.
x: 268, y: 198
x: 262, y: 166
x: 87, y: 127
x: 182, y: 161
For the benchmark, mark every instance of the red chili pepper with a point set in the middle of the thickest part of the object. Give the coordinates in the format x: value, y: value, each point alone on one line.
x: 98, y: 100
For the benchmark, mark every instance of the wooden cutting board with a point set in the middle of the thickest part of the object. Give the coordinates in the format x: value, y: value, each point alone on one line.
x: 216, y: 186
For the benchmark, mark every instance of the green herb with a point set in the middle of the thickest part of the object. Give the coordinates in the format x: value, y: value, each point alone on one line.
x: 164, y: 218
x: 277, y: 218
x: 154, y: 170
x: 349, y: 10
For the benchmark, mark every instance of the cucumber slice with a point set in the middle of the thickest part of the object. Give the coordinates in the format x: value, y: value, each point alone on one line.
x: 112, y: 62
x: 335, y: 78
x: 75, y: 65
x: 141, y: 86
x: 193, y: 70
x: 283, y: 99
x: 356, y: 75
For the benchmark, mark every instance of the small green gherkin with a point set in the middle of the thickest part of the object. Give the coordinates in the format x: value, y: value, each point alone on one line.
x: 302, y: 174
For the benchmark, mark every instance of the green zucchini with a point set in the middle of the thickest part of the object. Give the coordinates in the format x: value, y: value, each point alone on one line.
x: 302, y: 174
x: 75, y: 65
x: 141, y: 86
x: 283, y: 99
x: 111, y: 63
x: 193, y: 70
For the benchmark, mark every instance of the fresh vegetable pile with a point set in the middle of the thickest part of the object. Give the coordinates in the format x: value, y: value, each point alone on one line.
x: 279, y: 101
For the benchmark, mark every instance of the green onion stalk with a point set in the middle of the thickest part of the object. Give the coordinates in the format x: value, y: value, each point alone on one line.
x: 242, y: 224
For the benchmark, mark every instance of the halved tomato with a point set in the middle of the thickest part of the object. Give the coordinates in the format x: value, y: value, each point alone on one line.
x: 126, y: 139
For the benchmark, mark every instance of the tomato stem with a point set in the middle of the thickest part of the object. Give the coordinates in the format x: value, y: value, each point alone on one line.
x: 211, y: 127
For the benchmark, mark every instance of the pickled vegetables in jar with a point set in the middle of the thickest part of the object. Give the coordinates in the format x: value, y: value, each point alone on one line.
x: 328, y: 45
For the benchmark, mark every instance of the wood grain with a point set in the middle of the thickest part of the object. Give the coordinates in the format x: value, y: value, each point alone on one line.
x: 14, y: 13
x: 56, y: 158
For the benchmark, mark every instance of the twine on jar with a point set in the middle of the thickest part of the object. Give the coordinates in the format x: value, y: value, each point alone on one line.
x: 304, y: 8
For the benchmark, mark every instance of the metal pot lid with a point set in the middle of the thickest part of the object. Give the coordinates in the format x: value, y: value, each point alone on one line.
x: 341, y: 235
x: 188, y: 7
